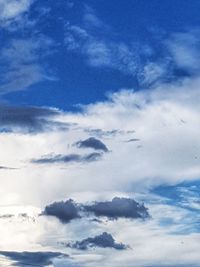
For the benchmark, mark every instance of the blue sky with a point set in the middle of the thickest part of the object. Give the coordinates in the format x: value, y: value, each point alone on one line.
x: 99, y: 133
x: 130, y: 35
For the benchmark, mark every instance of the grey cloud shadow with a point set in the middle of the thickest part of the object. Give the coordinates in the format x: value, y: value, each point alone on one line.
x: 8, y: 168
x: 133, y: 140
x: 116, y: 208
x: 104, y: 240
x: 93, y: 143
x: 64, y: 211
x: 29, y: 119
x: 70, y: 158
x: 32, y: 258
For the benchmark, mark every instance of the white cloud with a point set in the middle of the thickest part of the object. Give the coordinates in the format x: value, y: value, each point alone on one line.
x: 166, y: 120
x: 12, y: 9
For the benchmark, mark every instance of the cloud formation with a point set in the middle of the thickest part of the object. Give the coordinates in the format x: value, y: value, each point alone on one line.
x: 118, y: 208
x: 104, y: 240
x: 64, y: 211
x: 92, y: 142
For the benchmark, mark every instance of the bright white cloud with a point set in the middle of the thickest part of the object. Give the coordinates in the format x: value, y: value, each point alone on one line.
x: 165, y: 121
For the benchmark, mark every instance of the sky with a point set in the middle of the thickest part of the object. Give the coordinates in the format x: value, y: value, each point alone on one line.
x: 99, y: 133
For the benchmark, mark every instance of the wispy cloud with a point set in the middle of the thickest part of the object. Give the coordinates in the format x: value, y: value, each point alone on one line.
x: 70, y: 158
x: 94, y: 41
x: 185, y: 50
x: 25, y: 48
x: 12, y: 9
x: 97, y: 43
x: 21, y: 63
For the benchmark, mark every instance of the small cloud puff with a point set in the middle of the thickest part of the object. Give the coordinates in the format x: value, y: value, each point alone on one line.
x: 92, y: 142
x: 103, y: 240
x: 64, y: 211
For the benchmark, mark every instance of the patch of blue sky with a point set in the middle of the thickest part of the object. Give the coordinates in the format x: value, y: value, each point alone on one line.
x: 80, y: 50
x: 185, y: 194
x: 181, y: 204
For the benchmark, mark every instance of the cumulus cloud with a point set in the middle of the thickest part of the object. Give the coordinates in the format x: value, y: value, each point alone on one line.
x: 32, y: 258
x: 64, y: 211
x: 92, y: 143
x: 118, y: 208
x: 104, y: 240
x: 165, y: 119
